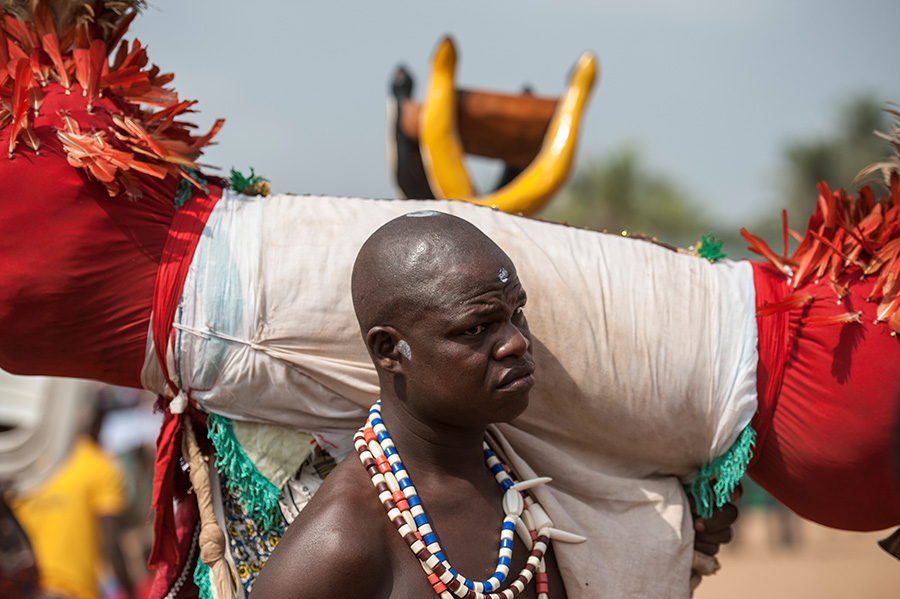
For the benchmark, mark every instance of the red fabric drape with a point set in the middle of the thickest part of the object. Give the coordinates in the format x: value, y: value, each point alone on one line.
x: 774, y: 344
x: 187, y: 521
x: 184, y: 234
x: 181, y: 242
x: 828, y: 415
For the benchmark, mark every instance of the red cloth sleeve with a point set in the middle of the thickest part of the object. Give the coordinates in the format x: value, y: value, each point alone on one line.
x: 82, y: 271
x: 78, y: 266
x: 828, y: 411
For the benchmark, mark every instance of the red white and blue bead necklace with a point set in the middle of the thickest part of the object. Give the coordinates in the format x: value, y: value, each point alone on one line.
x: 401, y: 502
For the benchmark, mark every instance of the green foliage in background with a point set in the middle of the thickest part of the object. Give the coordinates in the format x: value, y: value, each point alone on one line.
x: 620, y: 193
x: 835, y: 158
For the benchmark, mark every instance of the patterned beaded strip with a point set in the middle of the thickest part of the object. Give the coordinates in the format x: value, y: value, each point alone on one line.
x: 401, y: 502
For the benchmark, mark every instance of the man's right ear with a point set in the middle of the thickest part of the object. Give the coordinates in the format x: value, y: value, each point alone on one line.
x: 383, y: 343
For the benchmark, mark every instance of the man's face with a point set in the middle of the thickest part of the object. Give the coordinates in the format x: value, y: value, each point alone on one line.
x: 470, y: 346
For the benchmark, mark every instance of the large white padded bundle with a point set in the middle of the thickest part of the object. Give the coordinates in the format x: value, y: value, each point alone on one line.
x: 646, y: 363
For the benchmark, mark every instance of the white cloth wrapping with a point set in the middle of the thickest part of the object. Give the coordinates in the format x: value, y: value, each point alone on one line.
x: 646, y: 363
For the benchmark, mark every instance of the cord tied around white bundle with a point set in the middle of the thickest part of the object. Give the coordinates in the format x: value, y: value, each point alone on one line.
x: 179, y: 403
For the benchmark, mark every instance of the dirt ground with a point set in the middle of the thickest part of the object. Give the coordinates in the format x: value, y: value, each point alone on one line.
x: 822, y: 564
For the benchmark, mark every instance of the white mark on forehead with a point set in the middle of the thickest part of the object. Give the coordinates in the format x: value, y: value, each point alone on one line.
x: 418, y: 253
x: 421, y: 213
x: 404, y: 349
x: 502, y: 274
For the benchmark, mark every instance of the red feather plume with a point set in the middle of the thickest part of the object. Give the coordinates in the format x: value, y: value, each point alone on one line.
x: 84, y: 45
x: 845, y: 235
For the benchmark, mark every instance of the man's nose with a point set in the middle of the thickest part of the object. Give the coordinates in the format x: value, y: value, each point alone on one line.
x: 515, y: 341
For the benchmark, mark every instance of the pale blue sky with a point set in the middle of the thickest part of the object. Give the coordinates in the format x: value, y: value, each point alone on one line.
x: 710, y: 90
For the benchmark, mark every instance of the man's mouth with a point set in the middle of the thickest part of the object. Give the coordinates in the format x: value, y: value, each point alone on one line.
x: 518, y: 379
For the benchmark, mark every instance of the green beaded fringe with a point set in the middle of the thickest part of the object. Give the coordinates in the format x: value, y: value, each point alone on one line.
x: 201, y: 579
x: 251, y: 185
x: 710, y: 248
x: 258, y: 495
x: 716, y: 481
x: 186, y: 188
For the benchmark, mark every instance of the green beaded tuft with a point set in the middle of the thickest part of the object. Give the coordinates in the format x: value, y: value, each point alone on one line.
x: 201, y: 579
x: 717, y: 480
x: 710, y: 248
x: 186, y: 188
x: 252, y: 185
x: 258, y: 496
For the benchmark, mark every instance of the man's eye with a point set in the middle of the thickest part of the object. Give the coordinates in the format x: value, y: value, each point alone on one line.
x: 519, y: 312
x: 476, y: 330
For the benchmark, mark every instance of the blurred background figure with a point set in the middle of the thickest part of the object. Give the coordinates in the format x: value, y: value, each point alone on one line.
x: 782, y: 525
x: 18, y: 570
x: 129, y: 433
x: 77, y: 504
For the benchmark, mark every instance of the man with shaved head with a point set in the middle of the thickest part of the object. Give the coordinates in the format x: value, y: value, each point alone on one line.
x: 425, y: 508
x: 440, y: 308
x: 426, y: 275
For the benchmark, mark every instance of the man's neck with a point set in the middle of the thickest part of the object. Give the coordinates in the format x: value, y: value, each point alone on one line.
x: 430, y: 449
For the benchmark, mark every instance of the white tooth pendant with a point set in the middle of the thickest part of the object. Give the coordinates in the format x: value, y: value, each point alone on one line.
x: 562, y: 536
x: 528, y: 520
x: 523, y: 533
x: 512, y: 503
x: 541, y: 519
x: 524, y: 485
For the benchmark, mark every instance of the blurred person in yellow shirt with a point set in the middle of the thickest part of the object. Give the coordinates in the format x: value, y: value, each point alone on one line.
x: 72, y: 520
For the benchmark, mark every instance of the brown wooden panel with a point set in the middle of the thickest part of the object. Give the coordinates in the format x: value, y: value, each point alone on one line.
x: 507, y: 127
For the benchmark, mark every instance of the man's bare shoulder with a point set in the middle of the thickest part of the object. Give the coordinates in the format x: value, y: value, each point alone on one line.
x: 337, y: 546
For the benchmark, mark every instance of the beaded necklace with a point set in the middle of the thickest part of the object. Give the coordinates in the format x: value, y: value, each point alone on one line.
x: 401, y: 502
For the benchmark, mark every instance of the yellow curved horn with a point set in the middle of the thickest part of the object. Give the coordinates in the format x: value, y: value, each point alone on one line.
x: 547, y: 173
x: 439, y: 142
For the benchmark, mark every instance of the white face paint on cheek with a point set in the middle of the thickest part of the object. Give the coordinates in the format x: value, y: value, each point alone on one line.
x: 404, y: 349
x: 502, y: 274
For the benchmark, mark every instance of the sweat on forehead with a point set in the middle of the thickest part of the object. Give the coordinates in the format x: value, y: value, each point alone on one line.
x: 398, y: 261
